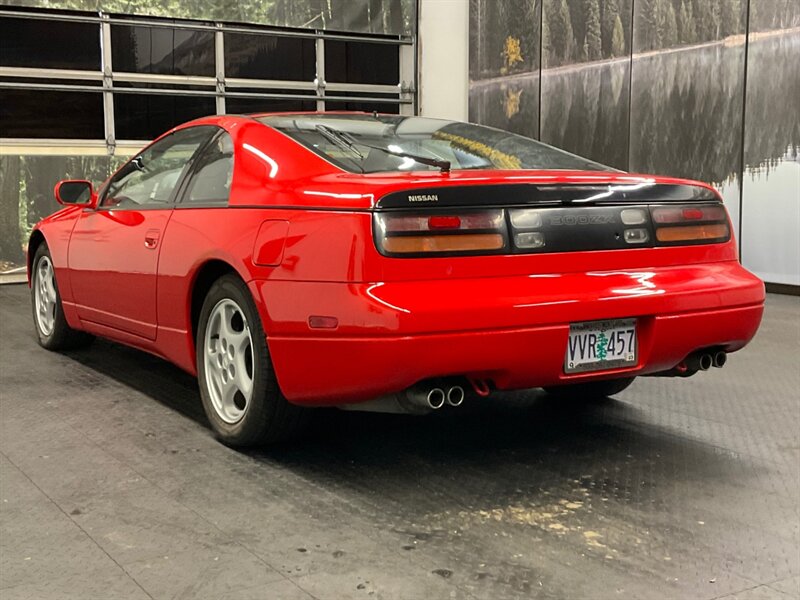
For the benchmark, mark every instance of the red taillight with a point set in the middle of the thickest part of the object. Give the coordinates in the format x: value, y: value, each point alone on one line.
x: 462, y: 232
x: 681, y: 214
x: 541, y: 229
x: 690, y: 224
x: 444, y: 222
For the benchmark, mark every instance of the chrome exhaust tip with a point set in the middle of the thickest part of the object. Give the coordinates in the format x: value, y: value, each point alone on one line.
x: 455, y: 395
x: 436, y: 398
x: 706, y: 362
x: 720, y: 358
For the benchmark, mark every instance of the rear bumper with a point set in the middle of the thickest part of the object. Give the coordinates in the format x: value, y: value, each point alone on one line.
x: 512, y: 330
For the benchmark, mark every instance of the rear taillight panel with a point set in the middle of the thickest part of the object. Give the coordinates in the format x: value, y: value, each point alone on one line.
x: 548, y: 229
x: 681, y: 225
x: 442, y: 234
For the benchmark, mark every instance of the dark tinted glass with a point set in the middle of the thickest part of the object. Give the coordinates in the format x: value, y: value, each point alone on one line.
x: 162, y: 85
x: 52, y: 82
x: 368, y: 144
x: 242, y: 106
x: 51, y: 114
x: 269, y: 57
x: 211, y: 182
x: 42, y: 44
x: 381, y: 107
x: 146, y: 116
x: 362, y: 62
x: 150, y: 177
x: 162, y: 50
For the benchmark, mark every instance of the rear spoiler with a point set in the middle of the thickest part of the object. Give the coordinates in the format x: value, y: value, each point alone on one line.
x: 526, y: 194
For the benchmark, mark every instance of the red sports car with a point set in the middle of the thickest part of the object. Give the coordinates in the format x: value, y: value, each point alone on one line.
x: 387, y: 263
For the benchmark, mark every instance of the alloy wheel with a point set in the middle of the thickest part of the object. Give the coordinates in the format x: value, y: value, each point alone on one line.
x: 228, y: 361
x: 45, y: 297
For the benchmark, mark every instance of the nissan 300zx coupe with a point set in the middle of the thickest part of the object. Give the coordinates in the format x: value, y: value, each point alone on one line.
x: 387, y: 263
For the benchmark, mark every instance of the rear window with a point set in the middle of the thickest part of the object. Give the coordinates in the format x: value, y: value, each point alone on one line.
x: 362, y: 143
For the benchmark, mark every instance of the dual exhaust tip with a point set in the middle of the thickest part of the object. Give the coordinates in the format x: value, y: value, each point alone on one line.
x: 437, y: 397
x: 703, y: 361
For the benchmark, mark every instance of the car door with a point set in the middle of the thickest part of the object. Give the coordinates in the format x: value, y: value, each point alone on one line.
x: 114, y: 249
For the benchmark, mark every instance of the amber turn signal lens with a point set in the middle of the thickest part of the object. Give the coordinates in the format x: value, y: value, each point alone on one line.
x: 443, y: 243
x: 692, y: 233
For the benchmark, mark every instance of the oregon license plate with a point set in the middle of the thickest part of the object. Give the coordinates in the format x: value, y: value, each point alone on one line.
x: 601, y: 345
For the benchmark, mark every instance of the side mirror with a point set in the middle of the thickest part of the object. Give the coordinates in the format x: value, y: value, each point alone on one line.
x: 72, y: 192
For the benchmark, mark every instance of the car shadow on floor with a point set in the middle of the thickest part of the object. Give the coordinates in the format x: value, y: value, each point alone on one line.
x: 510, y: 447
x: 156, y: 378
x: 506, y: 447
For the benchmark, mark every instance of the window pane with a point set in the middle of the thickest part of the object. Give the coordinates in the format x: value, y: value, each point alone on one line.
x: 42, y: 44
x: 146, y: 116
x: 212, y: 179
x: 380, y: 107
x: 362, y: 62
x: 51, y: 114
x: 163, y: 85
x: 162, y: 50
x: 97, y: 83
x: 269, y: 57
x: 150, y: 177
x: 377, y: 140
x: 243, y: 106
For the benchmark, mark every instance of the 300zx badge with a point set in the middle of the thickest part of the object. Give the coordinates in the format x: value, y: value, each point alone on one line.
x: 582, y: 219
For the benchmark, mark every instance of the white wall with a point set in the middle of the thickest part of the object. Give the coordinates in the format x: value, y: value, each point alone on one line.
x: 771, y: 222
x: 443, y: 47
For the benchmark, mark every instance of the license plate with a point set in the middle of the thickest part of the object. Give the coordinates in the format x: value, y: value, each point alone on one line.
x: 601, y: 345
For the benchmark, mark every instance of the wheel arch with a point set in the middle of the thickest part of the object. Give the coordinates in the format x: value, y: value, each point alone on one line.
x: 37, y: 239
x: 205, y: 276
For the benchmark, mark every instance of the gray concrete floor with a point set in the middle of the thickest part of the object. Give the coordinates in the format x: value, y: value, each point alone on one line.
x: 111, y: 486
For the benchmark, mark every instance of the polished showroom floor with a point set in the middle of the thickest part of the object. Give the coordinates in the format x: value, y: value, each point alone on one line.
x: 113, y: 487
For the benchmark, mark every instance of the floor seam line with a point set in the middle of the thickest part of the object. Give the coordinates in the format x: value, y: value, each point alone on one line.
x: 74, y: 522
x: 178, y: 502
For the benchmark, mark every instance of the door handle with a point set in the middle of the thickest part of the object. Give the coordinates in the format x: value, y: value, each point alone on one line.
x: 151, y: 239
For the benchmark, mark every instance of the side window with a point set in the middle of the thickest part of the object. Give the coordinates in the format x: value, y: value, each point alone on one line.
x: 211, y: 182
x: 150, y: 178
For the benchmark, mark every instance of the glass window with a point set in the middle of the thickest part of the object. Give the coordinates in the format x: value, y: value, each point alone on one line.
x: 41, y: 44
x: 269, y: 57
x: 362, y: 62
x: 211, y: 181
x: 243, y: 106
x: 372, y: 143
x: 146, y: 116
x: 150, y: 177
x: 380, y: 107
x: 162, y: 50
x: 51, y: 114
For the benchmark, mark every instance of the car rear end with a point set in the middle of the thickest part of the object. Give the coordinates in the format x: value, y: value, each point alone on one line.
x: 510, y: 280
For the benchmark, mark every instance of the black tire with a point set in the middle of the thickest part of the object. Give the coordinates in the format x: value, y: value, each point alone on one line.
x: 268, y: 417
x: 592, y: 390
x: 59, y: 336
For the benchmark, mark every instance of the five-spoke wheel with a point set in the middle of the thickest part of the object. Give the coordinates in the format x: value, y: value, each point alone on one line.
x: 52, y: 329
x: 229, y: 361
x: 237, y: 383
x: 44, y: 295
